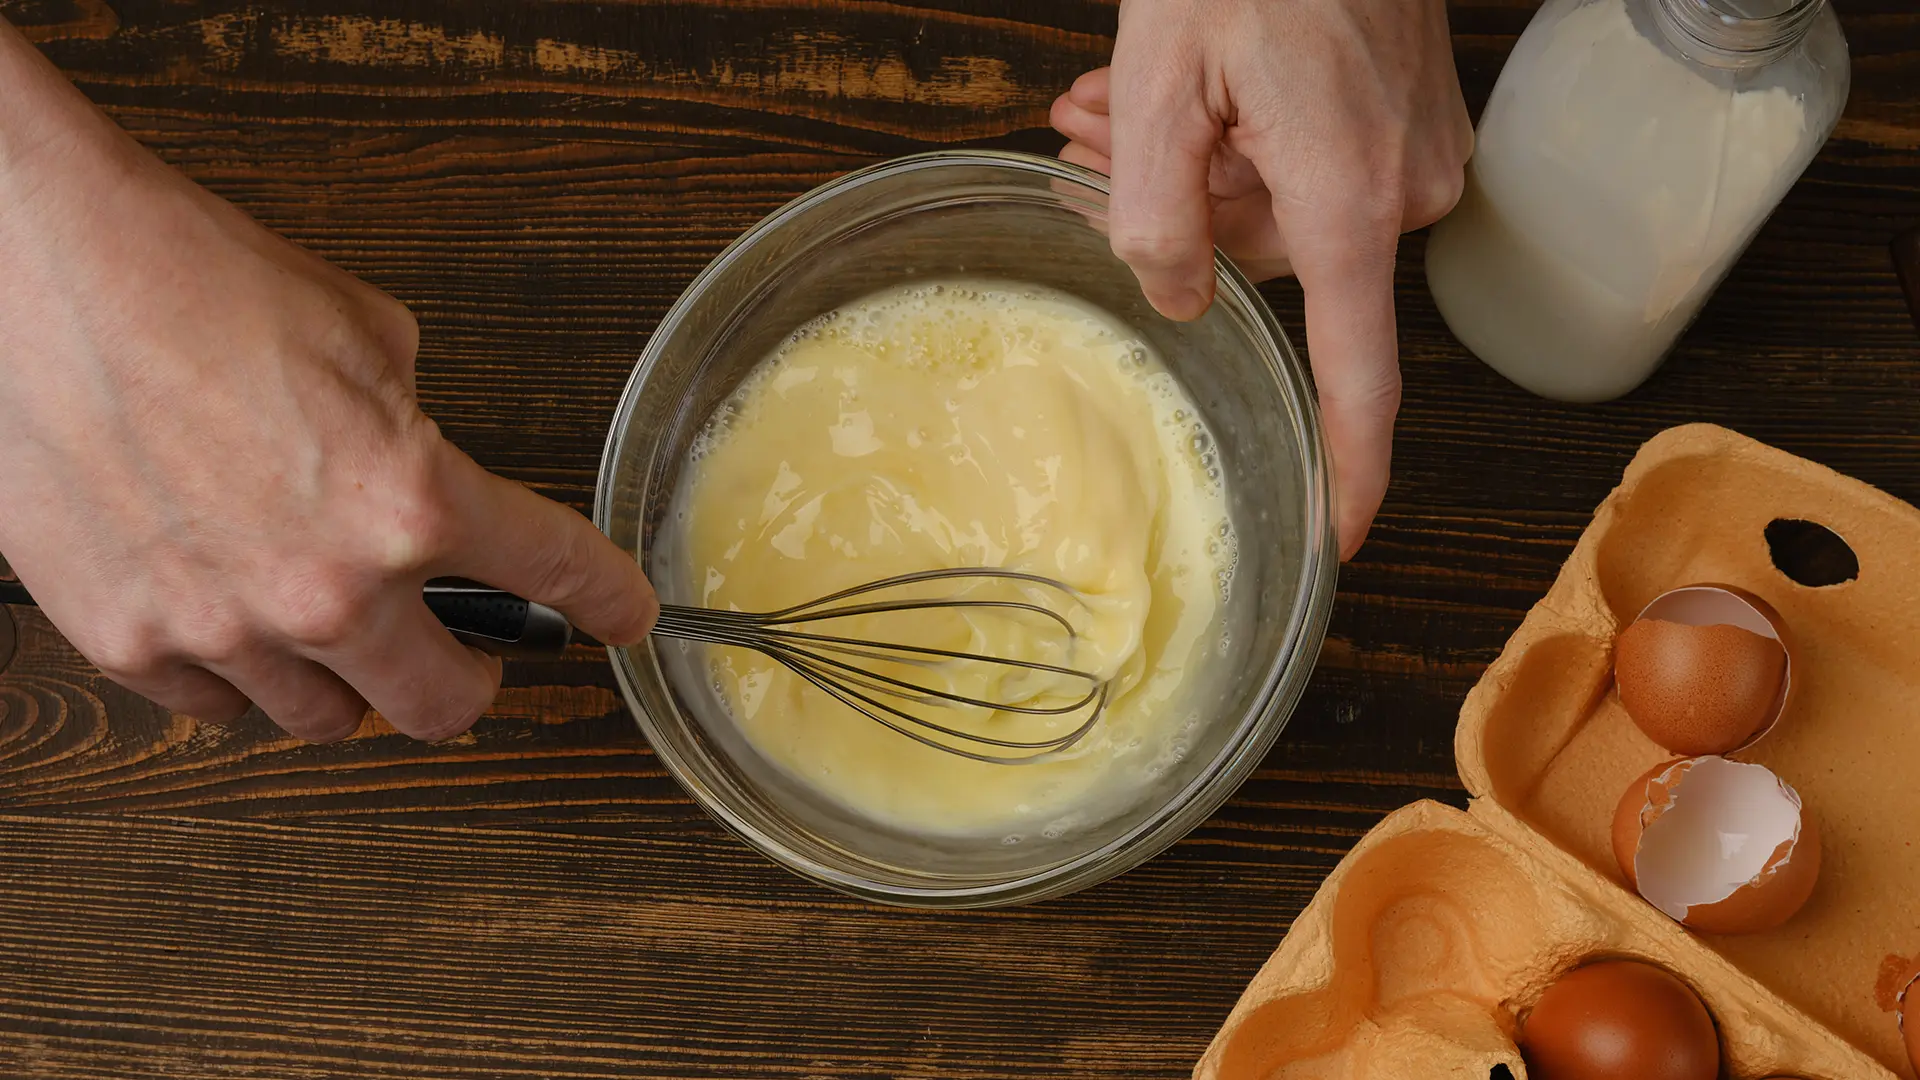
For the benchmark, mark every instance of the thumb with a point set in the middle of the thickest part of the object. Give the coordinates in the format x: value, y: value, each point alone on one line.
x: 542, y: 551
x: 1353, y: 347
x: 1163, y: 143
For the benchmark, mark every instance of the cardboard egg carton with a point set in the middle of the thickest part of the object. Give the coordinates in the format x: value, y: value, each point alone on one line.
x: 1426, y: 943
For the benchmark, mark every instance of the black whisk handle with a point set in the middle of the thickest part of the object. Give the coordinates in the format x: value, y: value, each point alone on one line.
x: 486, y: 618
x: 12, y: 592
x: 499, y: 622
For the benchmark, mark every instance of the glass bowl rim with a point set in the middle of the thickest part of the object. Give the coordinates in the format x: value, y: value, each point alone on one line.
x: 1283, y: 682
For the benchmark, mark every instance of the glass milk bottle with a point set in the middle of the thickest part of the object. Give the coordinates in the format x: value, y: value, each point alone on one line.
x: 1629, y: 152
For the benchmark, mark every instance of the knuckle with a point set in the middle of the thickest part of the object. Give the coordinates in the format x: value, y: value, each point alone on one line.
x: 1161, y: 69
x: 1436, y: 197
x: 128, y: 653
x: 1092, y: 85
x: 1385, y: 199
x: 216, y: 634
x: 320, y: 608
x: 562, y: 569
x: 400, y: 330
x: 1366, y: 190
x: 1062, y: 114
x: 202, y: 695
x: 1461, y: 135
x: 390, y: 326
x: 321, y: 721
x: 447, y: 718
x: 418, y: 533
x: 1358, y: 239
x: 415, y: 524
x: 1152, y: 249
x: 1372, y: 394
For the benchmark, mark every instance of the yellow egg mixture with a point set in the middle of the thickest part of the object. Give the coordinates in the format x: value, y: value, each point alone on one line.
x: 968, y: 424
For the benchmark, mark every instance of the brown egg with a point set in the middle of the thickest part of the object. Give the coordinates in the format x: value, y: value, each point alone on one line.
x: 1703, y: 670
x: 1724, y: 847
x: 1619, y: 1020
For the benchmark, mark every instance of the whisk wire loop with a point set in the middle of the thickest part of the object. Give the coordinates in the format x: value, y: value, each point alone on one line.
x: 800, y: 612
x: 758, y: 638
x: 826, y: 661
x: 865, y: 705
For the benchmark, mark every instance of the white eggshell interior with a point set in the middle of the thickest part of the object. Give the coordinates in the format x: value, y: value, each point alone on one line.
x: 1702, y: 605
x: 1722, y: 827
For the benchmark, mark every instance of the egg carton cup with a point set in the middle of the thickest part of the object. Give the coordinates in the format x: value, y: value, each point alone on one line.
x: 1427, y: 943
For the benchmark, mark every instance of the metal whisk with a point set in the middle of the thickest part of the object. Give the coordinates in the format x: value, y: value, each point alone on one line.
x: 841, y: 667
x: 832, y: 663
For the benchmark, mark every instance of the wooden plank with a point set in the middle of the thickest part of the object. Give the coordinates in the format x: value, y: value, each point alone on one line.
x: 539, y: 179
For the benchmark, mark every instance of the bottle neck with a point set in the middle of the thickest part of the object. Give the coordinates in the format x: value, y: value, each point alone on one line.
x: 1736, y: 33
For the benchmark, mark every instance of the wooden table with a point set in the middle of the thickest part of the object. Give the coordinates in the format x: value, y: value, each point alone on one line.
x: 539, y: 179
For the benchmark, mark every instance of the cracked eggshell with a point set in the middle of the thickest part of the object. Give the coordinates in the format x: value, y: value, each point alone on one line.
x: 1721, y: 846
x: 1705, y: 669
x: 1910, y: 1019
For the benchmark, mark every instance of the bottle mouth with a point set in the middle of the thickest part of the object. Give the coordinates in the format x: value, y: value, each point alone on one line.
x: 1755, y: 9
x: 1737, y: 33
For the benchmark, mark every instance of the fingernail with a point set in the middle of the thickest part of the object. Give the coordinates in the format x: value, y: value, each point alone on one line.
x: 636, y: 632
x: 1185, y: 305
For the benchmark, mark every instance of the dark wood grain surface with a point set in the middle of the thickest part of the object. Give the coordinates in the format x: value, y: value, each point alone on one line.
x: 539, y: 179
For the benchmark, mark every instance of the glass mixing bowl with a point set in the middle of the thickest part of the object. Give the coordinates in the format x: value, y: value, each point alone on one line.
x: 979, y: 215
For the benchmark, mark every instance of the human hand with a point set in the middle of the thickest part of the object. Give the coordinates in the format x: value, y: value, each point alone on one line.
x: 1300, y: 136
x: 214, y: 474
